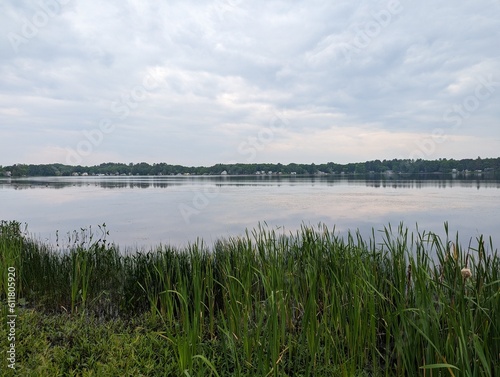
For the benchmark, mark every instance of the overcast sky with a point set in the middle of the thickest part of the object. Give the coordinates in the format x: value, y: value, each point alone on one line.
x: 197, y: 82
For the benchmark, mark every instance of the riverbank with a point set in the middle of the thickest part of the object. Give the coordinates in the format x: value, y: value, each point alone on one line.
x: 266, y: 304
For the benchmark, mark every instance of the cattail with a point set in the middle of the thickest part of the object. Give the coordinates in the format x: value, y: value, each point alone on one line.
x: 408, y: 281
x: 466, y: 273
x: 452, y: 251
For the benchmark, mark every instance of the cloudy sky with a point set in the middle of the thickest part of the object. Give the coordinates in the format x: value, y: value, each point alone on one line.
x: 199, y: 82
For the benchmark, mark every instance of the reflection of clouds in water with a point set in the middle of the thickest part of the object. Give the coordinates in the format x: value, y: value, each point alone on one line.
x: 53, y: 197
x: 346, y: 208
x: 350, y: 208
x: 365, y: 203
x: 148, y: 215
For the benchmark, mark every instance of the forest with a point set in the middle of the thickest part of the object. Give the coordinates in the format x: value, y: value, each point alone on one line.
x: 397, y: 166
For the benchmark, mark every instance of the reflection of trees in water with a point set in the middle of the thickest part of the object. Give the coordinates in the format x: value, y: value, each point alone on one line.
x: 106, y: 185
x: 418, y: 184
x: 376, y: 181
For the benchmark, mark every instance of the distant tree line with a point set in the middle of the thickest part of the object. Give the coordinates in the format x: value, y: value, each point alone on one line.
x: 369, y: 167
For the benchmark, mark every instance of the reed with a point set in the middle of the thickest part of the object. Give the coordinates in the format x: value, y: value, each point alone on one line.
x: 274, y: 304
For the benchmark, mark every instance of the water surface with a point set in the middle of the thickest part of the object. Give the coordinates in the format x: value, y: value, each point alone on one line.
x: 145, y: 211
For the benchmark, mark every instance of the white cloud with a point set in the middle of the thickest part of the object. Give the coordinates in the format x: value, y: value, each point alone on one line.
x: 225, y: 67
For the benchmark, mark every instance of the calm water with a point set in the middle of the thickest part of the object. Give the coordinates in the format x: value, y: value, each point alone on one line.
x: 145, y: 211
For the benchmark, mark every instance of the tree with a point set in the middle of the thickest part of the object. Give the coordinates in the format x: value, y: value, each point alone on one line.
x: 19, y: 170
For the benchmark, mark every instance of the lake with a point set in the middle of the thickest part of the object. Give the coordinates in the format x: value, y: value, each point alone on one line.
x: 176, y: 210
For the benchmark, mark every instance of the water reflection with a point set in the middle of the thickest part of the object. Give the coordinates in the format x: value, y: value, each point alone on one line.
x: 147, y: 210
x: 144, y: 182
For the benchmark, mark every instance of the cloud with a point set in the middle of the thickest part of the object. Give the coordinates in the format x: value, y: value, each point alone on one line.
x: 224, y: 67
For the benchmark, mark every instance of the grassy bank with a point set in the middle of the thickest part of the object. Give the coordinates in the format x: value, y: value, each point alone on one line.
x: 262, y: 305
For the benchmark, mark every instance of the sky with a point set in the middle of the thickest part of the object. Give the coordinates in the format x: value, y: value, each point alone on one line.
x: 197, y: 82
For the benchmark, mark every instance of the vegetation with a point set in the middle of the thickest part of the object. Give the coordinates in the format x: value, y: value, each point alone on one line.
x: 377, y: 166
x: 267, y: 304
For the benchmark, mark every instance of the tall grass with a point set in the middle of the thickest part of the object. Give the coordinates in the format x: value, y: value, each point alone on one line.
x: 269, y: 304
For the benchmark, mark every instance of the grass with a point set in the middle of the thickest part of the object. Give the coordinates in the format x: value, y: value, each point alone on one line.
x: 267, y: 304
